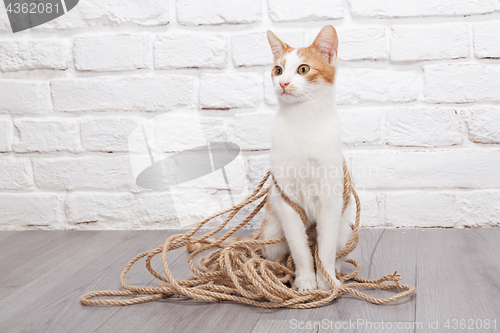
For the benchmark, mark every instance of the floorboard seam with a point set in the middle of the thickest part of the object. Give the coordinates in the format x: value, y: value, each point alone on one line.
x: 373, y: 253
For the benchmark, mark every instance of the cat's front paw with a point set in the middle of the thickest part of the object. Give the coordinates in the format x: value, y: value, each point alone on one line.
x: 305, y: 282
x: 323, y: 283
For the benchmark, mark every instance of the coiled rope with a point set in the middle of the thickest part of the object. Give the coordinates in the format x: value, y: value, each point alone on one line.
x: 237, y: 272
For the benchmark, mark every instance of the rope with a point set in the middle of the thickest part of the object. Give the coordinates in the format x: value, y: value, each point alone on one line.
x: 237, y: 272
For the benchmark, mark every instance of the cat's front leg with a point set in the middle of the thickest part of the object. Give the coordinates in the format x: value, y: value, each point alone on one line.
x: 328, y: 223
x: 296, y: 237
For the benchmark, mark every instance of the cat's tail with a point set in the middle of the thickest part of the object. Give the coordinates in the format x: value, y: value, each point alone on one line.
x: 230, y: 240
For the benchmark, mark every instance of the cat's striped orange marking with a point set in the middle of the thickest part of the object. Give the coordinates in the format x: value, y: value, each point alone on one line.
x: 320, y: 68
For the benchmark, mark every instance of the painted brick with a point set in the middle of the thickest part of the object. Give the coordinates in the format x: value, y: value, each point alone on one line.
x: 410, y: 8
x: 214, y: 128
x: 461, y: 83
x: 422, y: 127
x: 296, y: 10
x: 24, y: 55
x: 429, y: 42
x: 107, y: 134
x: 90, y: 172
x: 185, y: 50
x: 360, y: 125
x: 443, y: 208
x: 362, y: 43
x: 4, y: 22
x: 5, y: 134
x: 257, y: 166
x: 47, y: 135
x: 252, y: 49
x: 125, y: 211
x: 106, y: 52
x: 390, y: 169
x: 94, y: 13
x: 21, y: 209
x: 226, y: 91
x: 251, y: 131
x: 216, y: 12
x: 487, y: 39
x: 16, y: 173
x: 372, y: 209
x: 132, y: 93
x: 483, y: 124
x: 376, y: 85
x: 26, y: 98
x: 118, y: 210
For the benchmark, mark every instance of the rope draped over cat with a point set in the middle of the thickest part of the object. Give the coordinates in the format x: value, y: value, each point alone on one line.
x: 306, y: 233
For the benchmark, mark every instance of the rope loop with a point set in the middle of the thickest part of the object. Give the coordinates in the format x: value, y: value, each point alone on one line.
x: 237, y: 272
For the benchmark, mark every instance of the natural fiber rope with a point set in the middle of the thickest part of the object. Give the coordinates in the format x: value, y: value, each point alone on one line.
x: 238, y: 273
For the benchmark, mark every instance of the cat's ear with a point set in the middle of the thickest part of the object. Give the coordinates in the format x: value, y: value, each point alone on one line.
x: 277, y: 46
x: 327, y: 43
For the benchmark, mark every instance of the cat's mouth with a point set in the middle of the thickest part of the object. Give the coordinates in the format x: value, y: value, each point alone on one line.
x: 286, y: 93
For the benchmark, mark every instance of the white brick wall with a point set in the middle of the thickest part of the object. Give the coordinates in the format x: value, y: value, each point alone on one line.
x: 434, y: 41
x: 24, y: 55
x: 487, y: 39
x: 376, y: 85
x: 296, y: 10
x: 418, y: 90
x: 411, y: 8
x: 224, y: 91
x: 46, y: 135
x: 462, y: 83
x: 112, y: 52
x: 5, y: 134
x: 129, y: 93
x: 188, y: 50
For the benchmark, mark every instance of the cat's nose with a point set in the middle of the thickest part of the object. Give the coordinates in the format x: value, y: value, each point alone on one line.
x: 284, y: 84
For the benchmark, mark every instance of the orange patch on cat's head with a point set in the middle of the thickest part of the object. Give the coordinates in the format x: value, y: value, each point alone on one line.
x: 279, y: 48
x: 320, y: 68
x: 320, y: 56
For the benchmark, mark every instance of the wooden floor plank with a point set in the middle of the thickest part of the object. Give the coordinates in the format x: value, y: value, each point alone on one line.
x: 380, y: 252
x: 181, y: 314
x: 27, y: 255
x: 51, y: 302
x: 458, y: 278
x: 376, y: 255
x: 6, y: 234
x: 376, y: 247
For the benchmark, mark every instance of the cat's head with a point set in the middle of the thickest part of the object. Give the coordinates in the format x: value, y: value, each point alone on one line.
x: 300, y: 74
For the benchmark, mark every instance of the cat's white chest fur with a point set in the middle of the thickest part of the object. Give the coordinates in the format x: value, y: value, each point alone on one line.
x: 306, y: 159
x: 306, y: 153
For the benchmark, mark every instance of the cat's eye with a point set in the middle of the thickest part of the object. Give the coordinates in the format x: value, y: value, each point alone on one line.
x: 278, y: 70
x: 303, y: 69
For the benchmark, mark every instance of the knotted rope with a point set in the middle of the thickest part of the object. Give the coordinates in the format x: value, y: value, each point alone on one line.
x: 238, y: 273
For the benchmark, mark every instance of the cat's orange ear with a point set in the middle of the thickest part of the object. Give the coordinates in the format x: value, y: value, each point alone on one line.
x: 327, y: 43
x: 277, y: 46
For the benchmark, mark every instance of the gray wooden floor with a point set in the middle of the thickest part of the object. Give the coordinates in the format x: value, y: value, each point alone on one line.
x: 43, y: 274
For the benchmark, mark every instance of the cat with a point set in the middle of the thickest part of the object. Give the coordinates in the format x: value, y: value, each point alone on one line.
x: 306, y: 159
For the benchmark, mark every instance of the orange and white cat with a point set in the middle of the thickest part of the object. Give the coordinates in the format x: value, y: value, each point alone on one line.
x: 306, y: 159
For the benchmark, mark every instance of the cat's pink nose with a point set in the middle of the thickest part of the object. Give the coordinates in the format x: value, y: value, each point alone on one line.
x: 284, y: 84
